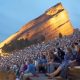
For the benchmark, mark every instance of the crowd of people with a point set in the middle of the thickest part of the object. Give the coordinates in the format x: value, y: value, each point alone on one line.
x: 51, y: 58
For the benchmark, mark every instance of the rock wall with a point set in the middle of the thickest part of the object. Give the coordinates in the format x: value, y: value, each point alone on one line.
x: 50, y: 24
x: 54, y: 21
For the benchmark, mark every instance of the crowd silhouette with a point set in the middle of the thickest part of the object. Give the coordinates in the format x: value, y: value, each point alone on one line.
x: 52, y: 58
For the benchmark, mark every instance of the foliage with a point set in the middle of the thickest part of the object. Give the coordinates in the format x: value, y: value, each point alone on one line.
x: 20, y: 44
x: 16, y: 45
x: 60, y: 35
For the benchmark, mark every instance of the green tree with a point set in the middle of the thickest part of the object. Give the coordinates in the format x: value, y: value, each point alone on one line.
x: 60, y: 35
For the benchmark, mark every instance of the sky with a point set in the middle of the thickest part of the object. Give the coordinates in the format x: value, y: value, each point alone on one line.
x: 16, y: 13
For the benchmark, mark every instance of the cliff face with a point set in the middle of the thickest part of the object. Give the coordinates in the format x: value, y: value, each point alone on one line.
x: 54, y: 21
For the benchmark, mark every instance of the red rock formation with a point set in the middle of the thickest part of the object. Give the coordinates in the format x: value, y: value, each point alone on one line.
x: 54, y: 21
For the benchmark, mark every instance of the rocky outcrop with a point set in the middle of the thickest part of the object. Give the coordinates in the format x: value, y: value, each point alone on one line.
x: 54, y: 21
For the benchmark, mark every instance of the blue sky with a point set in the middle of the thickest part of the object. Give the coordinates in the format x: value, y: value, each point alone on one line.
x: 15, y: 13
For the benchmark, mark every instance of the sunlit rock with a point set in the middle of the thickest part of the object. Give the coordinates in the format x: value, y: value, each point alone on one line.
x: 54, y: 21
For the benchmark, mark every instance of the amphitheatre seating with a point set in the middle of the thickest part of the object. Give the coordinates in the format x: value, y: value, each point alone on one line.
x: 74, y: 73
x: 7, y: 75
